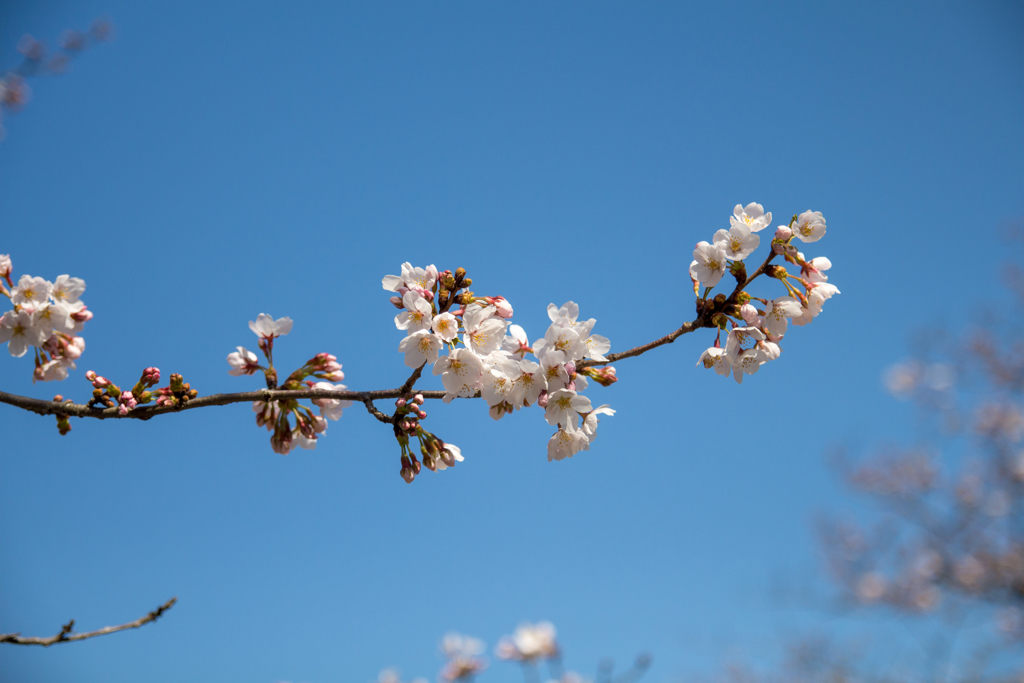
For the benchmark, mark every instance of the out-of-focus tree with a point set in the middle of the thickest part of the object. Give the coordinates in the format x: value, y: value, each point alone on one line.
x: 945, y: 550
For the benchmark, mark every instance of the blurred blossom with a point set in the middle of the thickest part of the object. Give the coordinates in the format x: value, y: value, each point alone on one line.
x: 462, y: 651
x: 970, y: 572
x: 926, y: 598
x: 902, y: 379
x: 928, y: 564
x: 1000, y: 421
x: 968, y: 491
x: 871, y: 587
x: 997, y: 504
x: 529, y: 642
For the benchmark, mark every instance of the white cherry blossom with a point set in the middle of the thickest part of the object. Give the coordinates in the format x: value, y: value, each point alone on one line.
x: 55, y: 370
x: 738, y: 242
x: 417, y: 313
x: 19, y: 330
x: 266, y: 327
x: 484, y: 332
x: 566, y: 443
x: 738, y: 336
x: 752, y: 216
x: 67, y: 290
x: 528, y: 385
x: 456, y: 454
x: 565, y: 315
x: 552, y: 367
x: 769, y: 350
x: 747, y: 362
x: 710, y: 264
x: 815, y: 300
x: 809, y: 226
x: 564, y: 339
x: 597, y: 346
x: 5, y: 265
x: 777, y: 314
x: 417, y: 279
x: 420, y: 347
x: 564, y: 408
x: 242, y: 362
x: 716, y: 358
x: 590, y: 423
x: 499, y: 382
x: 461, y: 371
x: 53, y: 318
x: 516, y: 342
x: 814, y: 270
x: 31, y: 292
x: 750, y: 315
x: 330, y: 408
x: 446, y: 326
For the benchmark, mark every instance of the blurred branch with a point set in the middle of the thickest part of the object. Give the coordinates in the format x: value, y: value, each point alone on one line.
x: 65, y: 635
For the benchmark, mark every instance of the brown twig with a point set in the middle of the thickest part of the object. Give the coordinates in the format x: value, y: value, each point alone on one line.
x: 66, y: 636
x: 386, y: 419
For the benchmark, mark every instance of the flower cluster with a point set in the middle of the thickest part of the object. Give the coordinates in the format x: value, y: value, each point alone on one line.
x: 276, y: 416
x: 529, y: 643
x: 489, y: 359
x: 106, y: 394
x: 530, y: 646
x: 754, y: 333
x: 463, y: 654
x: 47, y: 317
x: 37, y: 59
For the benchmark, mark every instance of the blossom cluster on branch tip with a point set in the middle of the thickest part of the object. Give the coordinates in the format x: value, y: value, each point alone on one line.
x: 530, y: 645
x: 490, y: 357
x: 47, y: 317
x: 38, y: 59
x: 753, y: 334
x: 277, y: 416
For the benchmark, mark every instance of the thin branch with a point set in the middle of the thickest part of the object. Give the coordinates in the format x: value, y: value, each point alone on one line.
x: 413, y: 378
x: 66, y: 636
x: 386, y: 419
x: 638, y: 350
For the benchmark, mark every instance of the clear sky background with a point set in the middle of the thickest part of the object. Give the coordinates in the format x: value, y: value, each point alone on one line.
x: 219, y: 160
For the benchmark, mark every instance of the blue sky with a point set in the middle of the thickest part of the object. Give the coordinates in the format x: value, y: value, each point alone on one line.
x: 215, y: 162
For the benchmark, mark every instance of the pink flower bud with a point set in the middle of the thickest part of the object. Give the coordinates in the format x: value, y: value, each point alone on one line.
x: 571, y: 386
x: 421, y: 414
x: 501, y: 305
x: 542, y: 399
x: 90, y: 375
x: 400, y: 403
x: 396, y: 301
x: 783, y: 233
x: 82, y: 316
x: 122, y: 410
x: 407, y: 474
x: 418, y: 398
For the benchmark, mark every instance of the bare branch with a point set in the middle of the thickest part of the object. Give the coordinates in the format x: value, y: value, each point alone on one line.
x: 386, y: 419
x: 65, y: 635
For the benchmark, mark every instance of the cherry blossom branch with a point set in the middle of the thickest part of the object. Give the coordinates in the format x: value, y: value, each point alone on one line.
x: 65, y: 635
x: 436, y: 307
x: 71, y: 409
